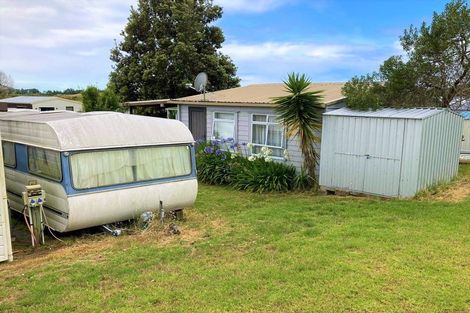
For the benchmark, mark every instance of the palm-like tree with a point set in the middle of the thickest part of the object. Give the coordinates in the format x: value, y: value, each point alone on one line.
x: 300, y: 111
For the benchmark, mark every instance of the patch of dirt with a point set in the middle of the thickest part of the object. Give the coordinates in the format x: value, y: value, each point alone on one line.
x: 456, y: 193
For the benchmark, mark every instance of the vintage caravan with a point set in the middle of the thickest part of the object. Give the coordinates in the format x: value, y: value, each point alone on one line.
x: 98, y: 167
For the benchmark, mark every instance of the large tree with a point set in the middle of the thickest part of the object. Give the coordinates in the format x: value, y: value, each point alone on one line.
x: 435, y: 70
x: 6, y: 84
x: 165, y: 44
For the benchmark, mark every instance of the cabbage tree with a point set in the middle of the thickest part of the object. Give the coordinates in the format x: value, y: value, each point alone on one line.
x: 300, y: 111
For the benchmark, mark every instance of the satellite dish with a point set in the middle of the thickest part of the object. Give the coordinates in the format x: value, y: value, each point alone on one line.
x: 200, y: 82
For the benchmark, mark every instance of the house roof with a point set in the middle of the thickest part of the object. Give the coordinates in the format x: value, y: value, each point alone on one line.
x: 32, y: 99
x: 259, y: 95
x: 417, y: 113
x: 69, y: 131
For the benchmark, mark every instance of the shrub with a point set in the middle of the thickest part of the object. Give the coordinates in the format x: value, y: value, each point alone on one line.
x: 223, y: 162
x: 213, y: 164
x: 262, y: 176
x: 303, y: 181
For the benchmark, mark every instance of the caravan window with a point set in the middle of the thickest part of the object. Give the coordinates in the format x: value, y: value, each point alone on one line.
x: 9, y: 155
x: 45, y: 163
x: 120, y: 166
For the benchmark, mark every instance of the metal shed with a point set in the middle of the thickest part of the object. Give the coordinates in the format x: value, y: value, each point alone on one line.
x: 389, y: 152
x: 466, y: 132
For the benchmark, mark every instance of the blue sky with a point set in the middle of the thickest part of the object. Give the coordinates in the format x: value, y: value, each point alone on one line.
x: 57, y: 44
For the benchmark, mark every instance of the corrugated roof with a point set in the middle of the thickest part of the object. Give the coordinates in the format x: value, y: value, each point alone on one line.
x: 66, y: 131
x: 28, y: 99
x: 259, y: 95
x: 465, y: 114
x: 417, y: 113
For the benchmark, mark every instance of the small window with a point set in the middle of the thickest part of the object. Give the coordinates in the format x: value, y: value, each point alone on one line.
x: 69, y: 108
x: 267, y: 132
x: 172, y: 113
x: 224, y: 125
x: 44, y: 163
x: 9, y: 154
x: 44, y: 109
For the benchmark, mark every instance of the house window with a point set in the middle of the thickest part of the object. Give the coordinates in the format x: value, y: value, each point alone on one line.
x: 266, y: 132
x: 46, y: 163
x: 9, y: 154
x: 69, y: 108
x: 44, y: 109
x: 223, y: 125
x: 172, y: 113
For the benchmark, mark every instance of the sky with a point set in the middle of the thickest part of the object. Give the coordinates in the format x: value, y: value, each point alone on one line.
x: 59, y: 44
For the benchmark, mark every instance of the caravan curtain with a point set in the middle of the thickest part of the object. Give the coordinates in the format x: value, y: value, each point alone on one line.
x: 112, y: 167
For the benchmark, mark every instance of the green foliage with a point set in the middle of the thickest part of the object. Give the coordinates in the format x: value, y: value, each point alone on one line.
x: 212, y: 168
x: 219, y: 163
x: 301, y: 113
x: 109, y: 101
x: 95, y: 100
x: 166, y: 43
x: 262, y: 176
x: 303, y: 181
x: 363, y: 92
x: 434, y: 72
x: 91, y: 99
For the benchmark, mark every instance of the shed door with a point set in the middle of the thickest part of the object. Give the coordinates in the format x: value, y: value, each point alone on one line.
x: 197, y: 122
x: 383, y: 158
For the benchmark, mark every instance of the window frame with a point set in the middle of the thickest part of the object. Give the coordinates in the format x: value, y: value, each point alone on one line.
x: 266, y: 123
x: 138, y: 182
x: 70, y: 108
x: 214, y: 120
x: 173, y: 109
x: 14, y: 153
x: 45, y: 176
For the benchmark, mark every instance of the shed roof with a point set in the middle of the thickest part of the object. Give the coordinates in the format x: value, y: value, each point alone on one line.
x: 465, y: 114
x: 416, y: 113
x: 259, y: 95
x: 68, y: 131
x: 32, y: 99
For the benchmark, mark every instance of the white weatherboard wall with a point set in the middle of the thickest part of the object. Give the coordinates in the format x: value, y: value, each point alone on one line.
x: 389, y: 152
x: 466, y: 137
x: 5, y: 237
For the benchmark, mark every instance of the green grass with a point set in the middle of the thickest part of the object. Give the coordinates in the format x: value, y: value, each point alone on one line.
x: 244, y: 252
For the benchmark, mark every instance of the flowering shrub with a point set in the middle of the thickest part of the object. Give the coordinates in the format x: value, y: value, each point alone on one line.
x: 225, y: 162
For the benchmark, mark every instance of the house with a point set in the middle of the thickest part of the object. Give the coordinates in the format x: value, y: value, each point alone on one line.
x: 466, y: 133
x: 247, y: 115
x: 41, y: 103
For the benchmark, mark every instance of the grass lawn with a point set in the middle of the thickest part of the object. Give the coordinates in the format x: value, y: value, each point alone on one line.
x: 244, y: 252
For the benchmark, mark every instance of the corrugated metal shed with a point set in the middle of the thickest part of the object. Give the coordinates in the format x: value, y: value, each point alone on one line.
x: 67, y: 131
x: 466, y: 132
x: 389, y: 152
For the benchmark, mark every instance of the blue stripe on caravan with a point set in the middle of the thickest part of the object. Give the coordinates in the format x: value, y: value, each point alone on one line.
x: 22, y: 166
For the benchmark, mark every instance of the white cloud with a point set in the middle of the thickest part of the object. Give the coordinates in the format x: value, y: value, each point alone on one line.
x: 271, y: 61
x: 59, y: 42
